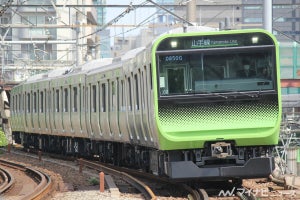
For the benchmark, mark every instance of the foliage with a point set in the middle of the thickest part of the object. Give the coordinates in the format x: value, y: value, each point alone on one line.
x: 3, y: 140
x: 93, y: 181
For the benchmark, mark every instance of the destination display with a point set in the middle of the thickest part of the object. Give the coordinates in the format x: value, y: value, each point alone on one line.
x: 215, y: 41
x: 205, y: 43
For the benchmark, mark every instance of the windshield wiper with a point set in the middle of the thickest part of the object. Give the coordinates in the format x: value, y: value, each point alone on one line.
x: 210, y: 93
x: 244, y: 93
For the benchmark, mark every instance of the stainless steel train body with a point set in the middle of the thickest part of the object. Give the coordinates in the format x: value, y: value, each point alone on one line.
x: 145, y: 108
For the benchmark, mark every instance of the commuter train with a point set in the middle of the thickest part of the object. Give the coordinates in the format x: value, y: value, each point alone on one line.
x: 189, y: 106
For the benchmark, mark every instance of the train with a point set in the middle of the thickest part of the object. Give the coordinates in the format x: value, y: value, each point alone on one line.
x: 191, y: 105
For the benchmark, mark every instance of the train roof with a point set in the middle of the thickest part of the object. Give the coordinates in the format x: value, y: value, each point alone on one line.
x: 119, y: 60
x: 188, y: 29
x: 51, y: 74
x: 103, y: 63
x: 191, y: 29
x: 93, y: 64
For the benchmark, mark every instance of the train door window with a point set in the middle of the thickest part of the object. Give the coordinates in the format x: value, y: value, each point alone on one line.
x: 41, y: 101
x: 118, y: 95
x: 50, y: 100
x: 142, y: 88
x: 46, y: 101
x: 34, y: 102
x: 20, y: 103
x: 66, y: 98
x: 28, y: 102
x: 129, y: 94
x: 80, y: 100
x: 108, y: 96
x: 113, y: 93
x: 57, y: 101
x: 150, y: 70
x: 103, y: 92
x: 94, y: 101
x: 16, y: 103
x: 13, y: 104
x: 53, y: 107
x: 137, y: 99
x: 75, y: 96
x: 145, y: 84
x: 122, y: 96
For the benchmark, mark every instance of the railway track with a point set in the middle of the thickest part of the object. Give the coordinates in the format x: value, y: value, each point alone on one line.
x: 139, y: 185
x: 42, y: 180
x: 251, y: 191
x: 7, y: 180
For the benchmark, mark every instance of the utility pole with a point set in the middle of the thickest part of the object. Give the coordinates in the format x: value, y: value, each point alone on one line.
x: 268, y: 15
x: 77, y: 29
x: 191, y: 9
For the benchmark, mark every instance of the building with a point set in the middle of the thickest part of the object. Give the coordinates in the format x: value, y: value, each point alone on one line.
x: 104, y: 35
x: 37, y: 38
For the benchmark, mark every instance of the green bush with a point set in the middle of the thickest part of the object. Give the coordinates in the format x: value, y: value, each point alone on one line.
x: 3, y: 140
x: 93, y: 181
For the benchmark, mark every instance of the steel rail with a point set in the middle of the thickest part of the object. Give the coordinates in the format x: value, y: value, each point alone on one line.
x: 143, y: 188
x: 8, y: 180
x: 43, y: 180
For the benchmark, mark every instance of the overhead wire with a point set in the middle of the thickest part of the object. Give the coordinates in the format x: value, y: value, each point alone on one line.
x: 114, y: 20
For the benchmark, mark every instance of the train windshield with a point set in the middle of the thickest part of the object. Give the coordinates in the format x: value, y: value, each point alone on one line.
x: 216, y: 71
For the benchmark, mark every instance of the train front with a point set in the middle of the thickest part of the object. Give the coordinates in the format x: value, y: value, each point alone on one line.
x: 217, y: 104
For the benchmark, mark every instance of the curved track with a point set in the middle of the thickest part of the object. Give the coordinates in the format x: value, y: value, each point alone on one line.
x: 43, y: 181
x: 7, y: 180
x: 139, y: 185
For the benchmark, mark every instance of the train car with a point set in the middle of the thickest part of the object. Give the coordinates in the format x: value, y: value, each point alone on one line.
x: 192, y: 105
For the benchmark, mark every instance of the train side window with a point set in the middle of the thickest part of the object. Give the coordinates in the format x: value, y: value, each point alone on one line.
x: 103, y: 88
x: 94, y: 93
x: 12, y: 103
x: 129, y: 93
x: 20, y: 103
x: 122, y: 96
x: 53, y: 107
x: 113, y: 95
x: 28, y: 102
x: 118, y: 95
x: 150, y: 76
x: 142, y: 90
x: 42, y: 101
x: 137, y: 99
x: 146, y: 84
x: 46, y: 101
x: 15, y: 100
x: 50, y: 102
x: 108, y: 96
x: 80, y: 96
x: 57, y: 101
x: 66, y: 95
x: 34, y: 102
x: 75, y: 96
